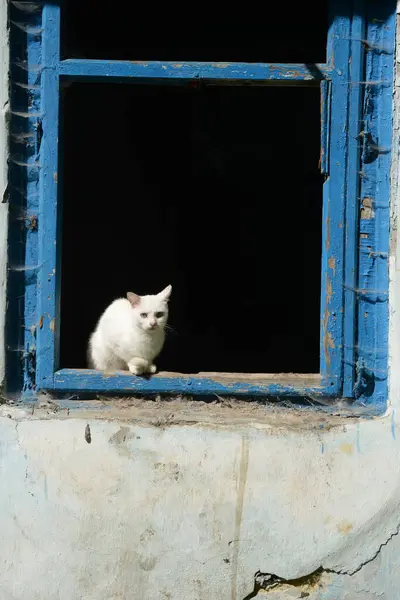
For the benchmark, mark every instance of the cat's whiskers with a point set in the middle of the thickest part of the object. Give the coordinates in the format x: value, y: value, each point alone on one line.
x: 168, y: 328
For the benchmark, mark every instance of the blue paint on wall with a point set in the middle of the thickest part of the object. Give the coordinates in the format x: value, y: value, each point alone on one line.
x: 333, y: 591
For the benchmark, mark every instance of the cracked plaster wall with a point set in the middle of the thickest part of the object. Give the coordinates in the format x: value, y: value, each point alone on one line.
x: 195, y: 508
x: 182, y: 510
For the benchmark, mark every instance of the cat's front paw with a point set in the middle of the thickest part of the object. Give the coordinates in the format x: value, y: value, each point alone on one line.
x: 135, y: 370
x: 153, y: 369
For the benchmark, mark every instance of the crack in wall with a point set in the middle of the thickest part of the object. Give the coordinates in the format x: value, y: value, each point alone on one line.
x: 16, y: 423
x: 369, y: 560
x: 268, y: 582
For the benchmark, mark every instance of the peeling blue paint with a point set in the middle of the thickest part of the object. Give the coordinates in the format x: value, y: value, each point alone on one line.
x: 333, y: 590
x: 125, y: 382
x: 375, y: 139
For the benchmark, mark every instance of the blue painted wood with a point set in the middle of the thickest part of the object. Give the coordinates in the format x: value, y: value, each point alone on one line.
x: 222, y: 72
x: 23, y: 200
x: 48, y: 214
x: 341, y: 301
x: 356, y: 74
x: 124, y: 382
x: 334, y: 203
x: 373, y: 206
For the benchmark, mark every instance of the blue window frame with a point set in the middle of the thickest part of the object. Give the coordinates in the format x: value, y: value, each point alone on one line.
x: 356, y: 85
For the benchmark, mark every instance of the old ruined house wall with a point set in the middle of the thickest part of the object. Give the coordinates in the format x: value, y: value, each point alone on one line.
x: 177, y: 501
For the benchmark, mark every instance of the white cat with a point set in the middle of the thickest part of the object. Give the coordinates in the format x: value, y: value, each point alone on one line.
x: 130, y: 333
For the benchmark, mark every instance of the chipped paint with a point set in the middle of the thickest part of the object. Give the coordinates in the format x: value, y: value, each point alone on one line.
x: 257, y: 72
x: 332, y: 263
x: 328, y: 290
x: 52, y: 325
x: 328, y: 345
x: 328, y: 342
x: 344, y: 527
x: 328, y: 232
x: 367, y: 212
x: 194, y: 385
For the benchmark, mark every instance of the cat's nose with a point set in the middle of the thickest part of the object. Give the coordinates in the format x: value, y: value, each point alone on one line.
x: 153, y: 324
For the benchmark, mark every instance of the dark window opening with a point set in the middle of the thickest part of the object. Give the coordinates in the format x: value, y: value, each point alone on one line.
x: 288, y: 31
x: 215, y: 190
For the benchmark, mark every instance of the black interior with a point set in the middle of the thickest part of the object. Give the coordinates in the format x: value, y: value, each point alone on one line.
x: 289, y: 31
x: 215, y: 190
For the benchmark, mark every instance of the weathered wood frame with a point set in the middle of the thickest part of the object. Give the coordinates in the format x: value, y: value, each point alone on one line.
x: 353, y: 353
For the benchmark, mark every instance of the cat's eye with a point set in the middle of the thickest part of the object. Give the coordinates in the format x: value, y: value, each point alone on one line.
x: 159, y: 315
x: 143, y: 315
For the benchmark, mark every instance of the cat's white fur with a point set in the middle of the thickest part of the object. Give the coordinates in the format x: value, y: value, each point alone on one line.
x: 130, y: 333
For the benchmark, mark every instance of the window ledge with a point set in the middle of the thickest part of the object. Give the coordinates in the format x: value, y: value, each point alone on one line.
x: 200, y: 384
x: 229, y: 412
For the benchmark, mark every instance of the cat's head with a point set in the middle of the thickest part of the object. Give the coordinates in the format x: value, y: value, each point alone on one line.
x: 150, y: 312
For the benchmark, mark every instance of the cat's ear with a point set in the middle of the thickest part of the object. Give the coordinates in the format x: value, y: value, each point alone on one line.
x: 165, y: 294
x: 134, y: 299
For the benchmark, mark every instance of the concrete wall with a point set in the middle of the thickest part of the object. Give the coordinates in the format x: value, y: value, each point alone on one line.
x: 171, y: 501
x: 180, y: 502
